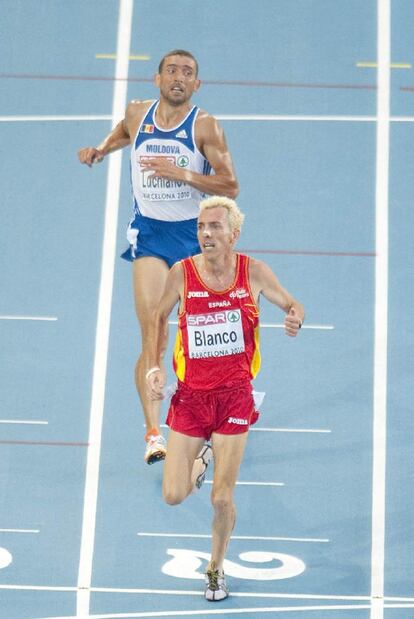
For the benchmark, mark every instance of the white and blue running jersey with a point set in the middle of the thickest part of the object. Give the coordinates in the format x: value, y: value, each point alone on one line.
x: 159, y: 198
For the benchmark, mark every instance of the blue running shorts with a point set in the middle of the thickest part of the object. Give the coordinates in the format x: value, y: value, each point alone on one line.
x: 169, y: 240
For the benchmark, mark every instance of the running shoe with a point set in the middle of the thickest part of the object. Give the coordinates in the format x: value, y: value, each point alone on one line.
x: 205, y: 455
x: 216, y: 588
x: 156, y: 449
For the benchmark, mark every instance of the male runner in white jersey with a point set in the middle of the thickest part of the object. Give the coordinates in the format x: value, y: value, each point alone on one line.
x: 174, y: 148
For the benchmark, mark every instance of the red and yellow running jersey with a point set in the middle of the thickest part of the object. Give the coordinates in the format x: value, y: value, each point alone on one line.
x: 217, y: 343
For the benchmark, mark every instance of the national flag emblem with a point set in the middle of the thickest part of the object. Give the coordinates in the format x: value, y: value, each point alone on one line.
x: 147, y: 129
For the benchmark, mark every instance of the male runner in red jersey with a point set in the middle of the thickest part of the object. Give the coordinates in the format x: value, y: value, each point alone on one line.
x: 216, y: 356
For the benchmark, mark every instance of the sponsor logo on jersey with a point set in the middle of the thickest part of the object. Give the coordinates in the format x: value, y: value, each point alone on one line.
x: 181, y: 134
x: 233, y: 316
x: 147, y: 129
x: 148, y: 159
x: 240, y: 293
x: 239, y: 422
x: 215, y: 334
x: 150, y: 182
x: 197, y: 293
x: 197, y: 320
x: 183, y: 161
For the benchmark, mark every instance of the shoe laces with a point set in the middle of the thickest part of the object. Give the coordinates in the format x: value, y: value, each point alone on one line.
x: 213, y: 576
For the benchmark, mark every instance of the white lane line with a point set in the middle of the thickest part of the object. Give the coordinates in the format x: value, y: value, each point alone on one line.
x: 240, y: 537
x: 224, y: 117
x: 381, y: 308
x: 24, y: 422
x: 40, y: 318
x: 37, y: 588
x: 53, y: 118
x: 253, y: 483
x: 104, y: 317
x: 229, y: 611
x: 289, y: 596
x: 275, y: 325
x: 19, y: 530
x: 402, y: 602
x: 293, y: 430
x: 294, y: 117
x: 401, y: 119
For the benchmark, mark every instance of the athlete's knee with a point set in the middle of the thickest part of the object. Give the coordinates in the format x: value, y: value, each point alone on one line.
x: 222, y: 500
x: 172, y: 498
x: 172, y: 494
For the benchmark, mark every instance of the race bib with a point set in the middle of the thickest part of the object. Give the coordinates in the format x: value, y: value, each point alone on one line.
x: 156, y: 189
x: 216, y: 334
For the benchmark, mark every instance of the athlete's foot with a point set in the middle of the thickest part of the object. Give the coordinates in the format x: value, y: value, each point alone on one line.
x: 216, y: 588
x: 156, y: 448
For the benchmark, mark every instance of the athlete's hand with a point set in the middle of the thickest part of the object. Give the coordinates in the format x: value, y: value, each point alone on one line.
x: 90, y: 155
x: 164, y: 168
x: 156, y: 384
x: 292, y: 323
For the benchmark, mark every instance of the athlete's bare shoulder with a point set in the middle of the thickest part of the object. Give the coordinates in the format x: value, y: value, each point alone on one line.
x: 177, y: 269
x: 204, y: 118
x: 259, y: 275
x: 174, y: 288
x: 139, y: 104
x: 135, y: 112
x: 208, y: 131
x: 257, y: 269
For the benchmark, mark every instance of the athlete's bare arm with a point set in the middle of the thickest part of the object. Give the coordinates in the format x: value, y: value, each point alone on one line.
x: 173, y: 292
x: 211, y: 142
x: 119, y: 137
x: 264, y: 281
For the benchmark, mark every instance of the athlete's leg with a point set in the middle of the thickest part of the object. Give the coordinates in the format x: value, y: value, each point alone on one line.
x: 149, y: 275
x: 181, y: 466
x: 228, y: 453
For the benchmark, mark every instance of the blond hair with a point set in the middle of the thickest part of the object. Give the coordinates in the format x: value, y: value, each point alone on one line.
x: 236, y: 217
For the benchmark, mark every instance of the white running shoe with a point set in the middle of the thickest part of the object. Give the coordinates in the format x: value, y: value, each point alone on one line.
x: 216, y: 588
x: 156, y: 449
x: 205, y: 455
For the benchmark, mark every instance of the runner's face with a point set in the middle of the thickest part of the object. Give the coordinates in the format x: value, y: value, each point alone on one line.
x: 178, y: 79
x: 214, y: 233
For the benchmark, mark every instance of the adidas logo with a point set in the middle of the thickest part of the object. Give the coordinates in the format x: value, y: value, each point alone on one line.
x: 181, y: 134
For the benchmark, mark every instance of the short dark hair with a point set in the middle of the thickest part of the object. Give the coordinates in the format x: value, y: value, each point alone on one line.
x: 177, y: 52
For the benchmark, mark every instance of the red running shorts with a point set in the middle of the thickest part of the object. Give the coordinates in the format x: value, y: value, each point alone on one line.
x: 228, y: 410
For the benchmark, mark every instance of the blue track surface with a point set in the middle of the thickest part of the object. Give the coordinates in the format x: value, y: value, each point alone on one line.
x: 305, y: 152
